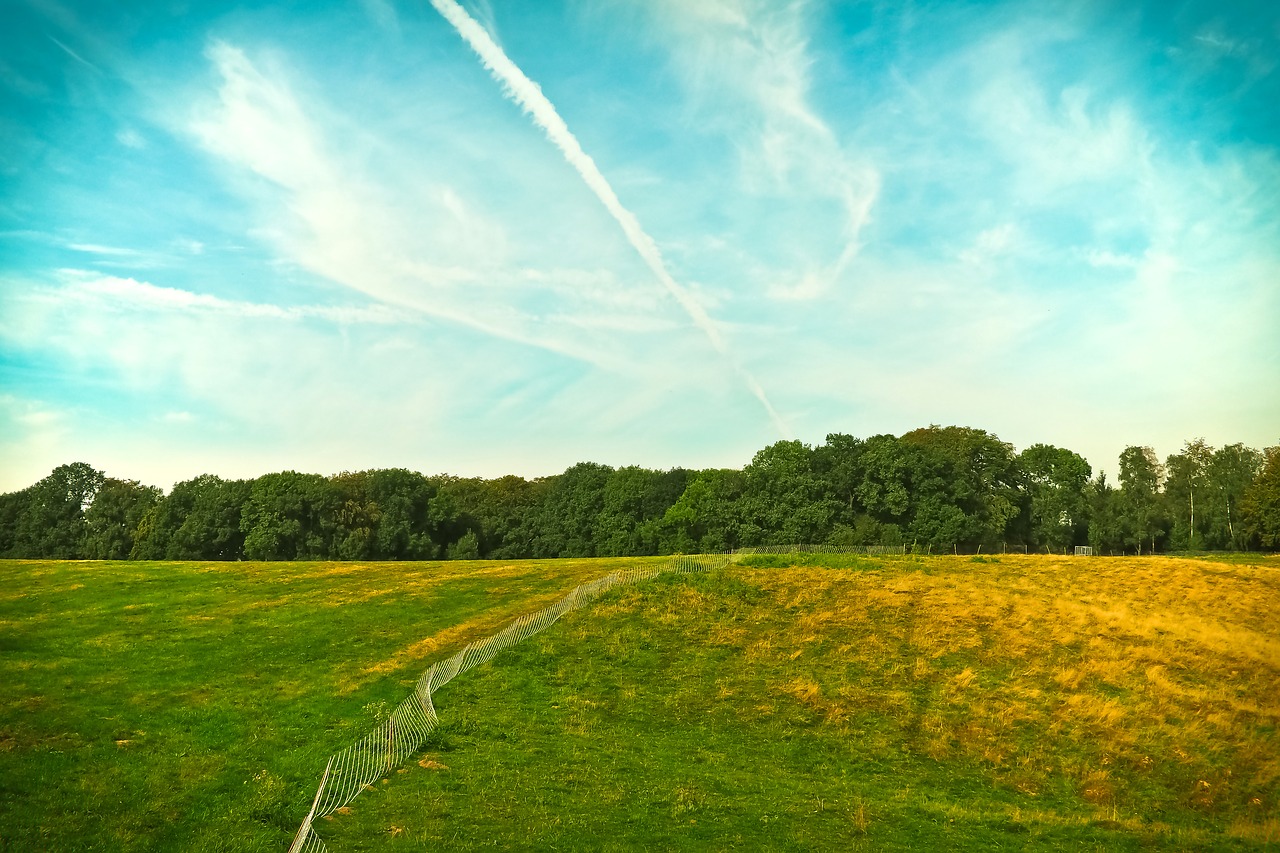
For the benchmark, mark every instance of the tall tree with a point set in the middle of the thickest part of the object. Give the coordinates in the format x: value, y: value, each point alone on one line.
x: 51, y: 524
x: 356, y: 517
x: 213, y: 527
x: 289, y: 516
x: 198, y: 520
x: 1260, y: 505
x: 1187, y: 474
x: 839, y: 464
x: 783, y: 499
x: 111, y: 521
x: 1141, y: 476
x: 1106, y: 526
x: 570, y: 510
x: 500, y: 512
x: 1056, y: 480
x: 984, y: 484
x: 887, y: 470
x: 634, y: 502
x: 1229, y: 474
x: 12, y: 507
x: 707, y: 517
x: 404, y: 526
x: 447, y: 524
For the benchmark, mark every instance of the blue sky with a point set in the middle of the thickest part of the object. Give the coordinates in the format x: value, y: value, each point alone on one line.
x: 504, y: 237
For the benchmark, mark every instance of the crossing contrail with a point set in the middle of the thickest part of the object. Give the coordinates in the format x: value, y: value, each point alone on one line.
x: 528, y: 95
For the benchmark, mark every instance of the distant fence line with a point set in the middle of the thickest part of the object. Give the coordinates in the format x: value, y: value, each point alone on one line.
x: 358, y: 766
x: 872, y: 550
x: 930, y: 549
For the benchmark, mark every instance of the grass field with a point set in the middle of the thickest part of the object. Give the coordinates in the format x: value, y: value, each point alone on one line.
x: 1005, y: 702
x: 168, y: 706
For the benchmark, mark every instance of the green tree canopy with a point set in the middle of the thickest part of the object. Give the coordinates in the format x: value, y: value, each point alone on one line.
x: 706, y: 517
x: 1230, y: 472
x: 289, y: 516
x: 570, y: 511
x: 632, y: 507
x: 404, y: 500
x: 783, y: 497
x: 112, y: 520
x: 51, y: 521
x: 978, y: 476
x: 500, y: 513
x: 934, y: 488
x: 1056, y: 482
x: 1141, y: 476
x: 1260, y: 505
x: 1106, y: 530
x: 1187, y: 475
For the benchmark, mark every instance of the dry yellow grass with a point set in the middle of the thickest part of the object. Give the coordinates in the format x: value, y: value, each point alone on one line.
x: 1158, y: 669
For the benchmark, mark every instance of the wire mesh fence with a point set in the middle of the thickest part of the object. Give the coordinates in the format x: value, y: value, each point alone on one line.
x: 403, y: 733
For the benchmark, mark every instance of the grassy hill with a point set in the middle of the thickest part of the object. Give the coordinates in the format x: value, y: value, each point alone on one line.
x: 850, y: 703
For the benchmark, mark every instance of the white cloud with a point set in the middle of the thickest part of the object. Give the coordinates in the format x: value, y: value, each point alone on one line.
x: 1056, y: 142
x: 1051, y: 256
x: 108, y: 292
x: 747, y: 66
x: 1109, y: 260
x: 991, y: 244
x: 297, y: 389
x: 529, y: 96
x: 402, y: 241
x: 77, y: 57
x: 95, y: 249
x: 130, y: 138
x: 809, y: 286
x: 31, y: 433
x: 383, y: 13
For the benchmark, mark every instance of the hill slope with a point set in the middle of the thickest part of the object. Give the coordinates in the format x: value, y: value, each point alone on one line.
x: 1033, y: 702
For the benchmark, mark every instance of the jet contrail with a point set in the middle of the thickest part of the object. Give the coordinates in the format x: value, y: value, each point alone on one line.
x: 528, y: 95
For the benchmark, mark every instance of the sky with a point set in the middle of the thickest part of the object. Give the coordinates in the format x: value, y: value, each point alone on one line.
x: 505, y: 236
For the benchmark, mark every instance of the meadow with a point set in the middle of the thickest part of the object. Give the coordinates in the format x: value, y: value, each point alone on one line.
x: 164, y: 706
x: 814, y: 702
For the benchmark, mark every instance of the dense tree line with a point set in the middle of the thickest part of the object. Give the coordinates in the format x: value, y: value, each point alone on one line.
x: 934, y: 489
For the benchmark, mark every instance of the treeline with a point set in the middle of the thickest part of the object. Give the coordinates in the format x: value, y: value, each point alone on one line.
x: 934, y: 489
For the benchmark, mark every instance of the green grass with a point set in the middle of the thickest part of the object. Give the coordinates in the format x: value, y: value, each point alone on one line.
x: 872, y: 703
x: 1023, y: 703
x: 166, y: 706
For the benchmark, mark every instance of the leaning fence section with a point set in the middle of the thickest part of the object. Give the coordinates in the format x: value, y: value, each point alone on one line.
x: 403, y: 733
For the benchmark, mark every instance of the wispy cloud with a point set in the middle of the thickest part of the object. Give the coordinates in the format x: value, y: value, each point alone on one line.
x: 322, y: 388
x: 95, y: 249
x: 130, y: 138
x: 528, y: 95
x: 77, y: 57
x: 991, y: 244
x: 748, y: 65
x: 333, y: 241
x: 1107, y: 259
x: 31, y: 432
x: 335, y: 220
x: 127, y: 292
x: 383, y: 14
